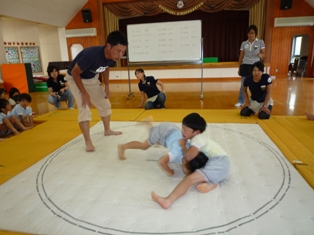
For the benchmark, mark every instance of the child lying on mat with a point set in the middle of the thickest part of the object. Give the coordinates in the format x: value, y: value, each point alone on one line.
x: 9, y: 124
x: 216, y: 169
x: 166, y: 134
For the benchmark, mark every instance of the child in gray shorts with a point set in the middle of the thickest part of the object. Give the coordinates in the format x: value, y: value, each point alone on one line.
x: 215, y: 170
x: 166, y: 134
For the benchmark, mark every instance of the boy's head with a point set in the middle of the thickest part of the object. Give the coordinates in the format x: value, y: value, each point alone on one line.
x: 192, y: 125
x: 25, y: 100
x: 116, y: 45
x: 13, y: 92
x: 5, y: 106
x: 139, y: 73
x: 198, y: 162
x: 2, y: 93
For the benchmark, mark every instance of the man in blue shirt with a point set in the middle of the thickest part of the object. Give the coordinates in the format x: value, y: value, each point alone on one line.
x: 82, y: 77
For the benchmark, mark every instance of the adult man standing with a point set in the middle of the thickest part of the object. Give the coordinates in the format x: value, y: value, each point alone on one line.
x: 82, y: 77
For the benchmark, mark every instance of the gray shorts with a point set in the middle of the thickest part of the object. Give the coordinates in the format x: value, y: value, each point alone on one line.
x: 216, y: 170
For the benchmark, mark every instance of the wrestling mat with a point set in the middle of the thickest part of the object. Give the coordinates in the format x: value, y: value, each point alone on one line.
x: 72, y: 192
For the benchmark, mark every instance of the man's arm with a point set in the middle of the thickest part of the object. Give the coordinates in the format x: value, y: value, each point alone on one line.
x: 105, y: 78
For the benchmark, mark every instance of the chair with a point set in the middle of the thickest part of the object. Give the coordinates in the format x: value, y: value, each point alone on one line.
x: 301, y: 70
x: 293, y: 67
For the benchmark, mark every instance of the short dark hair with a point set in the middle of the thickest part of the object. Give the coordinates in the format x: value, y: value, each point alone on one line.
x: 50, y: 69
x: 198, y: 162
x: 16, y: 98
x: 2, y: 91
x: 252, y: 27
x: 12, y: 91
x: 117, y: 37
x: 25, y: 96
x: 259, y: 65
x: 3, y: 103
x: 195, y: 122
x: 139, y: 70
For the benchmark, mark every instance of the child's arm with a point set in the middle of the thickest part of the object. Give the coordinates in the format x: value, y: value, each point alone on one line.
x: 189, y: 153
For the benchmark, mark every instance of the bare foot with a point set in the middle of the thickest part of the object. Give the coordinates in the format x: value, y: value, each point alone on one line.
x: 309, y: 116
x: 110, y: 132
x: 205, y: 187
x: 16, y: 133
x: 160, y: 200
x: 168, y: 173
x: 121, y: 152
x: 89, y: 147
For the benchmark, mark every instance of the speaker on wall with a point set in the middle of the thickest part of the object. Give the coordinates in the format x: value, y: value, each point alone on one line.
x: 87, y: 15
x: 285, y: 4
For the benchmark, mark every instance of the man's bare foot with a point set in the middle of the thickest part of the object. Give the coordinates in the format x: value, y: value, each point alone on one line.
x: 89, y: 147
x: 168, y: 173
x: 205, y: 187
x: 121, y: 152
x: 309, y: 116
x: 160, y: 200
x: 110, y: 132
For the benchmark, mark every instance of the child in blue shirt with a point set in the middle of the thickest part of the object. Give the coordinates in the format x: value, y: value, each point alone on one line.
x: 216, y: 169
x: 9, y: 124
x: 22, y: 110
x: 167, y: 135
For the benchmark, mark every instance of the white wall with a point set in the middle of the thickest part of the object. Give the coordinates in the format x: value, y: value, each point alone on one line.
x: 50, y: 39
x: 2, y: 52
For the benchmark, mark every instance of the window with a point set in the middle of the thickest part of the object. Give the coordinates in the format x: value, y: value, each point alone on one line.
x: 296, y: 47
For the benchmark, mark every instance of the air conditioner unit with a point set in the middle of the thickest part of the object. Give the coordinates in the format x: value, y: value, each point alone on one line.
x: 75, y: 33
x: 294, y: 21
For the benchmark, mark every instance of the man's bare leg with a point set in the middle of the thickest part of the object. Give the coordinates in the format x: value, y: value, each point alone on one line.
x: 131, y: 145
x: 163, y: 164
x: 205, y: 187
x: 179, y: 190
x: 108, y: 131
x: 84, y: 126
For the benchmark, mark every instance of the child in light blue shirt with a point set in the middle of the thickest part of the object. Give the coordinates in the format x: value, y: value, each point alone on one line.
x: 22, y: 110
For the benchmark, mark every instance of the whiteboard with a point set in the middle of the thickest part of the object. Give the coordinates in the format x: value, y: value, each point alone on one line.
x: 165, y: 42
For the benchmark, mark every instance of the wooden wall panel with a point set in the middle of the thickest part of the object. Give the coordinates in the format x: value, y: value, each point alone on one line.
x: 282, y: 37
x: 78, y: 23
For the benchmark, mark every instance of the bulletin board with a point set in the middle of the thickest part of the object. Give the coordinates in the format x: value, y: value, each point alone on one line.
x: 31, y: 55
x: 12, y: 55
x: 165, y: 42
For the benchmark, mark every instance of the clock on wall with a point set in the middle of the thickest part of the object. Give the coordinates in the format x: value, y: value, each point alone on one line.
x: 180, y: 4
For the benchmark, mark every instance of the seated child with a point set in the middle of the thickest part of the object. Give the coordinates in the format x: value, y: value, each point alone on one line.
x: 13, y: 95
x: 217, y: 167
x: 166, y: 134
x: 9, y: 124
x: 23, y: 111
x: 3, y: 93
